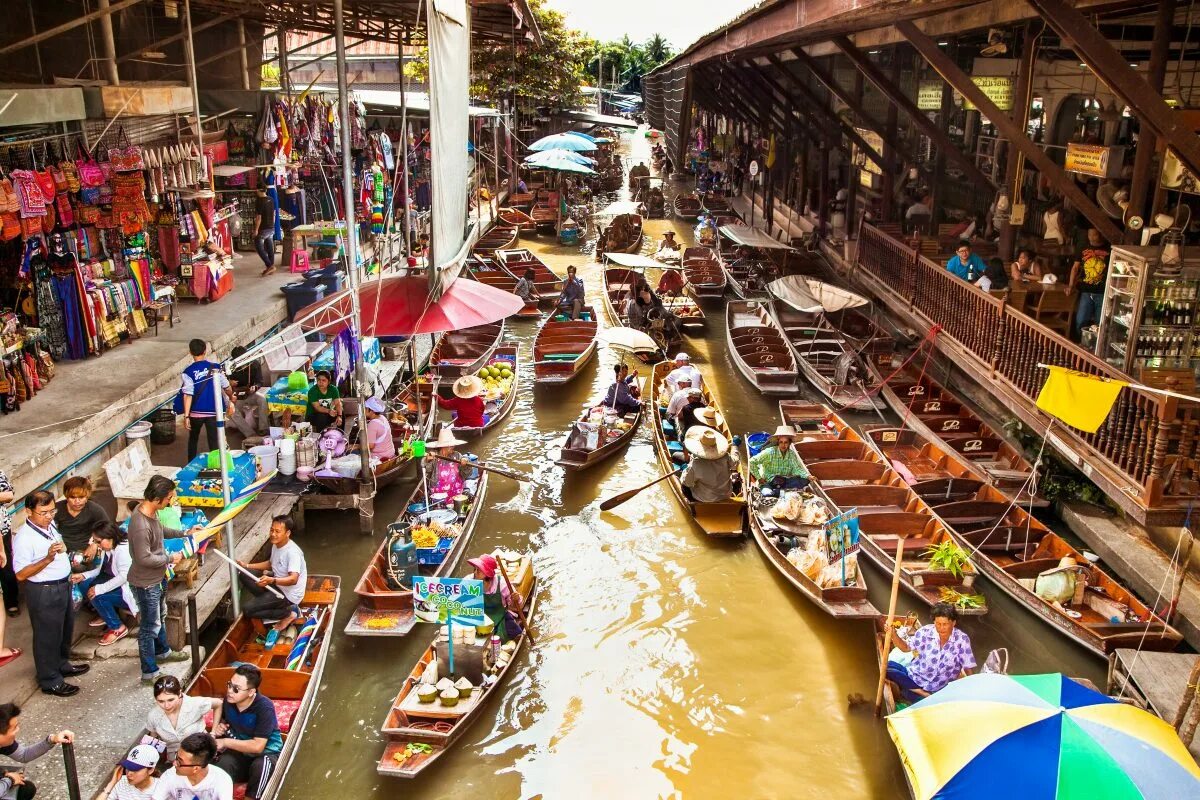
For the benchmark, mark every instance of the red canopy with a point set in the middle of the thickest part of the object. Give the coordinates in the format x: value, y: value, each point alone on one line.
x: 399, y: 306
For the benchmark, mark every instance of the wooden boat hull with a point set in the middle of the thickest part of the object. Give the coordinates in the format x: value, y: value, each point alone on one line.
x: 398, y: 730
x: 511, y: 354
x: 383, y: 611
x: 463, y: 352
x: 515, y: 218
x: 818, y: 358
x: 716, y: 519
x: 546, y: 281
x: 631, y: 245
x: 703, y: 273
x: 688, y: 207
x: 498, y: 238
x: 579, y: 460
x: 758, y: 348
x: 556, y: 340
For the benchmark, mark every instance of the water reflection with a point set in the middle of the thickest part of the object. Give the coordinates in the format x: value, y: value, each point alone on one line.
x: 667, y: 665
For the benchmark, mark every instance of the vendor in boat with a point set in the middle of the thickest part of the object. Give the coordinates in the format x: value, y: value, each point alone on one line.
x: 941, y: 653
x: 671, y: 284
x: 684, y: 369
x: 379, y: 432
x: 708, y: 477
x: 571, y: 297
x: 525, y: 288
x: 668, y: 246
x: 324, y: 403
x: 778, y: 467
x: 467, y: 403
x: 620, y: 395
x: 498, y: 598
x: 442, y: 476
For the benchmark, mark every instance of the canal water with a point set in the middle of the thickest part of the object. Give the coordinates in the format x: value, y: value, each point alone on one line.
x: 667, y: 665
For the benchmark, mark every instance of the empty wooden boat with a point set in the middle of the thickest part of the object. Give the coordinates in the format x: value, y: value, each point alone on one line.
x: 410, y: 720
x: 777, y: 537
x: 758, y: 349
x: 463, y: 352
x: 688, y: 207
x: 291, y: 670
x: 545, y: 280
x: 576, y: 456
x: 945, y: 420
x: 802, y: 302
x: 934, y: 473
x: 834, y: 369
x: 622, y: 235
x: 716, y: 203
x: 563, y: 346
x: 703, y: 273
x: 385, y: 608
x: 723, y: 518
x: 500, y: 395
x: 498, y: 238
x: 489, y: 271
x: 851, y: 474
x: 515, y: 218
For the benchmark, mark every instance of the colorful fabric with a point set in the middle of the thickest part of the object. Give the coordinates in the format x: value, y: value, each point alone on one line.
x: 934, y: 666
x: 1038, y: 736
x: 1078, y: 399
x: 771, y: 463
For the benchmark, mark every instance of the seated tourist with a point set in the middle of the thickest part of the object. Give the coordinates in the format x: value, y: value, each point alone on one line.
x: 175, y: 715
x: 619, y: 396
x: 525, y: 288
x: 965, y: 264
x: 109, y: 591
x: 684, y: 368
x: 1026, y: 267
x: 192, y: 775
x: 247, y: 732
x: 681, y: 398
x: 995, y: 277
x: 708, y: 477
x: 286, y: 572
x: 941, y: 653
x: 133, y: 779
x: 778, y: 467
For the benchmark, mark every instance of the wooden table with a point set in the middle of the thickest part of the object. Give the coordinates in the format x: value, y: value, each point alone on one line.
x: 1023, y: 295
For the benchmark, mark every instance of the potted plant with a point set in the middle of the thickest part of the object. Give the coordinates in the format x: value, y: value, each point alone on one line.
x: 949, y: 557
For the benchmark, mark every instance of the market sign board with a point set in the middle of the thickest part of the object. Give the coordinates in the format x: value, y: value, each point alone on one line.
x: 1176, y: 176
x: 458, y: 601
x: 998, y: 89
x: 929, y: 95
x: 1093, y: 159
x: 841, y: 540
x: 860, y: 158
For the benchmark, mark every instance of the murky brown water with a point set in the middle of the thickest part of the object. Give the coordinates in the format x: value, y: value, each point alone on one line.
x: 667, y: 665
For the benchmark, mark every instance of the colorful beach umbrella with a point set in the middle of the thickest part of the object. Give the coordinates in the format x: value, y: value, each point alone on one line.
x: 563, y: 141
x: 1038, y: 737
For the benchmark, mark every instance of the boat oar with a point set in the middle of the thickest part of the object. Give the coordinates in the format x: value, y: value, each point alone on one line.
x: 516, y: 476
x: 245, y: 572
x: 618, y: 499
x: 521, y: 605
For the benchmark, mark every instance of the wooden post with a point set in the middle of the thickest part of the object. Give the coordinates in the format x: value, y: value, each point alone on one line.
x: 887, y: 183
x: 823, y: 188
x: 1147, y: 145
x: 887, y: 628
x: 108, y: 42
x: 242, y: 55
x: 1023, y: 99
x: 285, y: 79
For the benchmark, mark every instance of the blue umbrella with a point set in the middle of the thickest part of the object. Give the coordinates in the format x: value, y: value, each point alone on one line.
x: 558, y: 161
x: 563, y: 141
x: 548, y: 155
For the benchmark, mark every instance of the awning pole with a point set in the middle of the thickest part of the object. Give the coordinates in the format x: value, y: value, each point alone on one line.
x: 190, y: 58
x: 245, y: 59
x: 403, y: 154
x: 109, y: 42
x: 226, y: 491
x: 339, y: 37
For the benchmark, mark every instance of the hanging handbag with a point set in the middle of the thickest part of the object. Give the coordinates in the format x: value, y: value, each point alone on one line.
x: 60, y: 178
x: 126, y: 157
x: 8, y: 197
x: 31, y: 227
x: 87, y: 215
x: 45, y: 182
x: 65, y: 214
x: 10, y: 226
x: 45, y: 366
x: 71, y: 174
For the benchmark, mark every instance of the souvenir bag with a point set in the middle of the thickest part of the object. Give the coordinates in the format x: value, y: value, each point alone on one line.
x: 87, y: 215
x: 71, y: 174
x: 60, y: 178
x: 65, y: 214
x: 10, y: 226
x: 9, y: 202
x: 90, y: 174
x: 126, y: 157
x: 45, y: 366
x: 45, y: 182
x: 31, y: 227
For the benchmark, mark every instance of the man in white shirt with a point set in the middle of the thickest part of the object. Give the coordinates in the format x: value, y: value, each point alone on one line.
x: 285, y: 572
x: 191, y: 778
x: 680, y: 398
x: 684, y: 369
x: 40, y: 561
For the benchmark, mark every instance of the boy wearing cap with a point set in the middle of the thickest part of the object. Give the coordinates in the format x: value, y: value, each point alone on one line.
x: 379, y: 433
x: 684, y: 369
x: 285, y: 571
x: 134, y: 778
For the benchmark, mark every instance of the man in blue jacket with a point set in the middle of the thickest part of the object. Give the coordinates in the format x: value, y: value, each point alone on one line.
x: 965, y: 264
x: 199, y: 404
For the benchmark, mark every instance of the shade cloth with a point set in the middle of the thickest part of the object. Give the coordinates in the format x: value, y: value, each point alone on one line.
x: 401, y: 306
x: 752, y: 237
x: 812, y: 296
x: 449, y: 34
x: 635, y: 261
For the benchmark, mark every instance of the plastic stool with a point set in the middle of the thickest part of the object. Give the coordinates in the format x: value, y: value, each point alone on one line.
x: 300, y: 261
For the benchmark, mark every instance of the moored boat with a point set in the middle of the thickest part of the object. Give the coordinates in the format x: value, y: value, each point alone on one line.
x: 724, y: 518
x: 546, y: 281
x: 688, y: 207
x: 758, y: 348
x: 490, y: 271
x: 433, y: 726
x: 385, y: 607
x: 576, y: 455
x: 833, y: 367
x: 802, y: 303
x: 463, y: 352
x: 498, y: 238
x: 622, y: 235
x: 703, y: 273
x: 564, y: 346
x: 619, y: 285
x: 515, y: 218
x: 936, y: 474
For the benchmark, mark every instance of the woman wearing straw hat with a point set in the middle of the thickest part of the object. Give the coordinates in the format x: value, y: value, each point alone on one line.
x: 446, y: 477
x: 708, y: 477
x: 467, y: 403
x: 778, y: 467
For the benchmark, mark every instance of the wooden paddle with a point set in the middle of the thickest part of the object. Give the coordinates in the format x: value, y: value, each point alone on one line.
x: 521, y: 605
x: 514, y: 475
x: 616, y: 500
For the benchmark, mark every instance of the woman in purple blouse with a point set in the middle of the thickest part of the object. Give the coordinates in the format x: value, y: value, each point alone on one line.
x: 941, y: 653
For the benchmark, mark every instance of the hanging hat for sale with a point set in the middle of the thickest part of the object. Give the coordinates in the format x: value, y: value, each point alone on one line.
x: 468, y: 386
x: 446, y: 438
x: 709, y: 416
x: 485, y: 564
x: 783, y: 430
x: 706, y: 443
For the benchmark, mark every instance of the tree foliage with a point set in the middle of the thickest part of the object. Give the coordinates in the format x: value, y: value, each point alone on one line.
x: 627, y: 60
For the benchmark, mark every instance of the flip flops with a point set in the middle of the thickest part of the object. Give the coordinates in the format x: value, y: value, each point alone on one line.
x: 12, y: 656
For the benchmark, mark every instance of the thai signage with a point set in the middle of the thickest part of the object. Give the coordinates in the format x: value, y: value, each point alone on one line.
x: 998, y: 89
x: 860, y: 157
x: 1092, y: 159
x: 929, y: 95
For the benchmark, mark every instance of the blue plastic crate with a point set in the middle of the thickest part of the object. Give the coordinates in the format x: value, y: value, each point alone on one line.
x: 432, y: 556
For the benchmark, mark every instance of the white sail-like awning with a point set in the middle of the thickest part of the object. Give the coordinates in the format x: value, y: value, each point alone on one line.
x: 635, y: 261
x: 752, y: 237
x: 813, y: 296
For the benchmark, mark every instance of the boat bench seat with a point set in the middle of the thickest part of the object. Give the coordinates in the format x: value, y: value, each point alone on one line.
x: 913, y: 544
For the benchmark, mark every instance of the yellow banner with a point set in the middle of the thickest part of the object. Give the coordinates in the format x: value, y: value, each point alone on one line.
x: 1088, y: 159
x: 1078, y: 399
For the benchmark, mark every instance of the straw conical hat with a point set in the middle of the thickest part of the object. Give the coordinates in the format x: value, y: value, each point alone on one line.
x: 709, y: 416
x: 468, y: 386
x: 706, y: 443
x: 783, y: 430
x: 446, y: 438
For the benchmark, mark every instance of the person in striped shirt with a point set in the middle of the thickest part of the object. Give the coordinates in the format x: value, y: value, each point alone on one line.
x: 778, y: 467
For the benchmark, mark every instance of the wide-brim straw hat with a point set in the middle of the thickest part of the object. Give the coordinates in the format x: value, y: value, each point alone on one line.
x: 468, y: 386
x: 706, y: 443
x: 709, y: 416
x: 446, y: 438
x: 783, y: 430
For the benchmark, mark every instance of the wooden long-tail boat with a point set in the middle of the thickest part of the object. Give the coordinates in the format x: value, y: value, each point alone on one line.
x: 563, y: 347
x: 777, y: 537
x: 463, y: 352
x: 703, y: 273
x: 802, y: 303
x: 546, y: 281
x: 291, y: 670
x: 619, y: 283
x: 545, y: 211
x: 758, y: 348
x: 438, y: 726
x: 489, y: 271
x: 833, y: 367
x: 515, y: 218
x: 577, y: 459
x: 498, y: 238
x: 688, y: 207
x: 934, y: 473
x: 724, y: 518
x: 716, y: 204
x: 622, y: 235
x: 851, y: 474
x: 941, y: 417
x: 385, y: 610
x: 498, y: 402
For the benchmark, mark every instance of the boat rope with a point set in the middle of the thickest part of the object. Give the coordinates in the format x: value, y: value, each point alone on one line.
x: 928, y: 340
x: 1168, y: 575
x: 912, y: 401
x: 23, y: 431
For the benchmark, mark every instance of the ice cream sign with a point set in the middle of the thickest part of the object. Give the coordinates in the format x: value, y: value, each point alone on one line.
x: 458, y: 601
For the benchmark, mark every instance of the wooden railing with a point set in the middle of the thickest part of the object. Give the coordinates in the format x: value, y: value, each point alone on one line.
x: 1149, y: 447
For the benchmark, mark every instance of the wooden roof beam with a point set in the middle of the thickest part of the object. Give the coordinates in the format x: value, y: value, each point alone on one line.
x: 119, y: 5
x: 203, y: 26
x: 762, y: 109
x: 1010, y: 130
